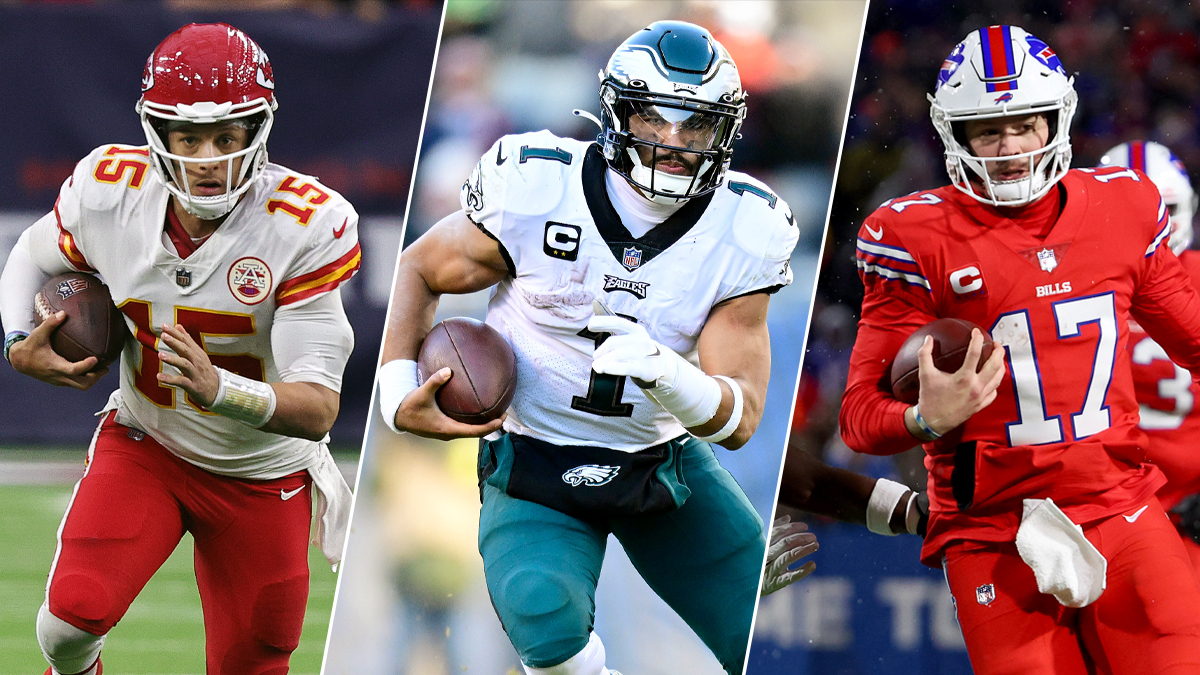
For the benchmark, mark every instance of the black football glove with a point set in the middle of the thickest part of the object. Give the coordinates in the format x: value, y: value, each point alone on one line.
x: 1188, y: 512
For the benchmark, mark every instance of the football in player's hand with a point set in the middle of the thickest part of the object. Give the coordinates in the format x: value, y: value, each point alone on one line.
x: 93, y: 327
x: 951, y: 338
x: 484, y: 367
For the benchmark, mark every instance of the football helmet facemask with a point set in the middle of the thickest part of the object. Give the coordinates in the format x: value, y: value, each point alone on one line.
x: 671, y: 105
x: 207, y: 74
x: 1170, y: 177
x: 1003, y: 71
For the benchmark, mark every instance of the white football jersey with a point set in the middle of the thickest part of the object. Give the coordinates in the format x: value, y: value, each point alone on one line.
x: 543, y: 198
x: 288, y: 241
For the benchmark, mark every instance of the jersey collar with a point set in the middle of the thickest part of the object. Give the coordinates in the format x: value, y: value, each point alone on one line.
x: 614, y: 232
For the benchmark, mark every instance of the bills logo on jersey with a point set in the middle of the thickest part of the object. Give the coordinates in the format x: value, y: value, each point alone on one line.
x: 985, y: 594
x: 631, y: 258
x: 250, y: 280
x: 66, y: 289
x: 1042, y: 52
x: 591, y: 475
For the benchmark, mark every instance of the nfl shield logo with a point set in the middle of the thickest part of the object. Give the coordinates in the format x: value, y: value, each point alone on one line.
x: 69, y: 287
x: 183, y: 277
x: 632, y: 258
x: 985, y: 594
x: 1046, y: 259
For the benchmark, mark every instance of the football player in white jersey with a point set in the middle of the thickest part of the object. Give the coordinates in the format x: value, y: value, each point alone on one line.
x: 638, y: 258
x: 226, y: 269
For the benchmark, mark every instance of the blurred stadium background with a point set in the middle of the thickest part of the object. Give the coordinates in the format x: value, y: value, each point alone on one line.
x: 412, y: 600
x: 871, y: 608
x: 352, y: 82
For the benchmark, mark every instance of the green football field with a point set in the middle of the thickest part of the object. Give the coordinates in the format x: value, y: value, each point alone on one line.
x: 163, y: 632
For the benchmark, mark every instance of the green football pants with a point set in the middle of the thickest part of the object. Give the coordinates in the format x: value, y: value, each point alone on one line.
x: 704, y: 559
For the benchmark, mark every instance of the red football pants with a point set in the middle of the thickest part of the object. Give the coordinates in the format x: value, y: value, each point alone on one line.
x: 1146, y: 621
x: 130, y: 510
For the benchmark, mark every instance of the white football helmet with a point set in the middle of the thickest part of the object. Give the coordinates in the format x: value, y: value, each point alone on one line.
x: 1002, y: 71
x: 1169, y: 176
x: 682, y: 81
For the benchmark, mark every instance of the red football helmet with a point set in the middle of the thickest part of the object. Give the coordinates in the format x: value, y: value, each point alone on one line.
x: 204, y: 74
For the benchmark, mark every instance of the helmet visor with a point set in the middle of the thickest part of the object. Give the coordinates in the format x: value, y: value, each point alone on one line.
x: 675, y: 127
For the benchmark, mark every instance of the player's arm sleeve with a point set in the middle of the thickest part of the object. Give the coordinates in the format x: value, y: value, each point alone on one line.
x: 312, y: 341
x: 1167, y: 305
x: 897, y: 301
x: 484, y: 196
x: 36, y: 257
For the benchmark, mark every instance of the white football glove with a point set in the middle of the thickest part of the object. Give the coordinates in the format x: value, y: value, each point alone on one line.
x: 629, y: 351
x: 789, y: 543
x: 679, y: 387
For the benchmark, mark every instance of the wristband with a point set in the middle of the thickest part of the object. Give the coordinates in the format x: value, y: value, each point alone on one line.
x: 912, y: 515
x: 396, y: 379
x: 932, y: 435
x: 884, y: 498
x: 248, y: 401
x: 11, y: 339
x: 735, y: 418
x: 685, y: 391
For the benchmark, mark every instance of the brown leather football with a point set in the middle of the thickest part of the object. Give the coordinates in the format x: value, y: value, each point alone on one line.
x: 951, y: 338
x: 94, y: 326
x: 484, y: 367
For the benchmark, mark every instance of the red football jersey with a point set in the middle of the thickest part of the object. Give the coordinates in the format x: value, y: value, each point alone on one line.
x: 1064, y: 423
x: 1169, y: 399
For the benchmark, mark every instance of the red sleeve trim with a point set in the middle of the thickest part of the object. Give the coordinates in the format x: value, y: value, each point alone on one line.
x: 320, y: 281
x: 67, y: 245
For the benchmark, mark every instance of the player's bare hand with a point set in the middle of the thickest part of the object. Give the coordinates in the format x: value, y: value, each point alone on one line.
x: 419, y: 414
x: 789, y: 543
x: 34, y: 357
x: 950, y: 399
x: 197, y: 376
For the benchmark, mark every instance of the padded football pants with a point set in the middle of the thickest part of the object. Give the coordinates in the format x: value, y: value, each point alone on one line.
x: 704, y: 559
x: 1146, y: 621
x: 130, y: 510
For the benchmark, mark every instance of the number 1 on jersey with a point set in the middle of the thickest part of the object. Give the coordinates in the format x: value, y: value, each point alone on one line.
x: 604, y: 391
